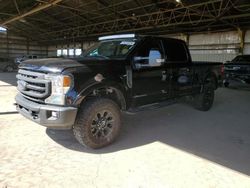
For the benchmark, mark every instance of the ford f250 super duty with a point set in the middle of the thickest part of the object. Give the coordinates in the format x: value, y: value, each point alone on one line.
x: 120, y: 73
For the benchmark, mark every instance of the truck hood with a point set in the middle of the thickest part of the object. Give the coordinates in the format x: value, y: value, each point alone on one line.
x: 53, y: 65
x: 237, y: 63
x: 58, y: 65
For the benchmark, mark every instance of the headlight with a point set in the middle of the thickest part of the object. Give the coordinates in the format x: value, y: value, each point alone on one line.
x: 60, y: 85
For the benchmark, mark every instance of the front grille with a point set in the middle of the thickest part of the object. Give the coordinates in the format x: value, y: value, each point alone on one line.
x: 237, y: 69
x: 33, y: 85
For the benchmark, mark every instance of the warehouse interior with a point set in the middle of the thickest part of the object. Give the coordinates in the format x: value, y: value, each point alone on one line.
x: 216, y: 30
x: 175, y: 146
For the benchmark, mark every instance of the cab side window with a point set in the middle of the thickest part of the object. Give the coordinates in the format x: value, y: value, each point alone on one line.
x: 175, y: 51
x: 150, y: 54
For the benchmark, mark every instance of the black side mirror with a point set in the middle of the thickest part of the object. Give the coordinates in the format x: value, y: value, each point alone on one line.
x: 138, y: 60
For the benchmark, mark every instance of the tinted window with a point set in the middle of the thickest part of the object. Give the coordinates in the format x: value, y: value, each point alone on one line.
x: 175, y: 50
x: 111, y: 49
x: 150, y: 49
x: 242, y: 58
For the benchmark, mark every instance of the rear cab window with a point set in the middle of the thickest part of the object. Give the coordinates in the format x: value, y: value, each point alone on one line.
x: 242, y: 58
x: 175, y: 51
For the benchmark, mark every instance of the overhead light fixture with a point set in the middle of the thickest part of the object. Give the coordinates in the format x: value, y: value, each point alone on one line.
x: 178, y: 1
x: 117, y: 37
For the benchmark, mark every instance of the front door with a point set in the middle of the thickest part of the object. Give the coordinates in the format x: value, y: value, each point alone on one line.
x: 150, y: 76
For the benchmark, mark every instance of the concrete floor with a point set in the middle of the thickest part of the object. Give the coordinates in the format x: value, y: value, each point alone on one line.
x: 176, y: 146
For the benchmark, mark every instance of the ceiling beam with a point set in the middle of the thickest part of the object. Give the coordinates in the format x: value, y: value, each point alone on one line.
x: 16, y: 5
x: 151, y: 15
x: 35, y: 10
x: 73, y: 11
x: 91, y: 31
x: 107, y: 5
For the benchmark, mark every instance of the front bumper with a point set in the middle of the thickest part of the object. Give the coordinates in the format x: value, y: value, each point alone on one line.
x: 236, y: 76
x: 54, y: 117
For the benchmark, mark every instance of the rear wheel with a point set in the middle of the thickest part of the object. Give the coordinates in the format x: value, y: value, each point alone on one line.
x: 98, y: 123
x: 204, y: 101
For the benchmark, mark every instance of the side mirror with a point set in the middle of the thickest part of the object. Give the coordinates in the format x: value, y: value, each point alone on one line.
x: 228, y: 61
x: 138, y: 58
x: 155, y: 59
x: 138, y: 64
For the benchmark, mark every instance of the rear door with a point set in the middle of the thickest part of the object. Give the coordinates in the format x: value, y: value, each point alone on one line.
x: 150, y: 81
x: 179, y: 61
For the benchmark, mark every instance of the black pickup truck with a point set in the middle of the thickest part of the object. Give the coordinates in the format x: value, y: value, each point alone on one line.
x: 120, y: 73
x: 238, y: 70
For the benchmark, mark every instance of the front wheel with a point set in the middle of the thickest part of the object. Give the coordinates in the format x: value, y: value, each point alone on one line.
x: 98, y: 123
x: 204, y: 101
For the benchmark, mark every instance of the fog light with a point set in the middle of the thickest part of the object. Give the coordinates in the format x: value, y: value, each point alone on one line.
x: 55, y: 114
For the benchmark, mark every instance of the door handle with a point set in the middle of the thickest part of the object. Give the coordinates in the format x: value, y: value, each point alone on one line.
x: 164, y: 75
x: 185, y: 69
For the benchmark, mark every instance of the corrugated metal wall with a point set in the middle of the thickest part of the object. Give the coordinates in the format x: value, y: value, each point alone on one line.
x: 12, y: 46
x: 215, y: 47
x: 247, y: 43
x: 219, y: 47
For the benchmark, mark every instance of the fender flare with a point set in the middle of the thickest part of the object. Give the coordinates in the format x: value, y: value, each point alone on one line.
x: 103, y: 84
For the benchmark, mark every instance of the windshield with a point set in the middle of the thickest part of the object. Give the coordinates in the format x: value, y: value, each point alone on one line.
x: 111, y: 49
x: 242, y: 58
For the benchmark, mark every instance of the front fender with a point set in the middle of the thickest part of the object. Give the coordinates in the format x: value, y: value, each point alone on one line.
x: 97, y: 85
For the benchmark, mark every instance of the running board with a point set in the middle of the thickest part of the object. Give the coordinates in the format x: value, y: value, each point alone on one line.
x: 151, y: 106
